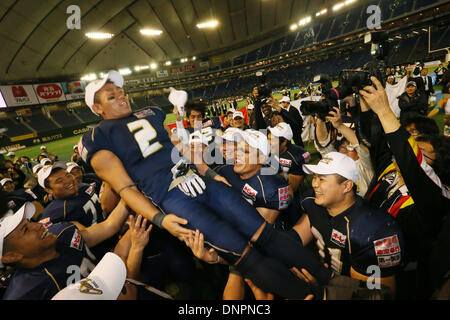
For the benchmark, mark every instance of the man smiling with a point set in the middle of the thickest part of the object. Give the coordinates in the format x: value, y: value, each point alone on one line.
x: 72, y: 201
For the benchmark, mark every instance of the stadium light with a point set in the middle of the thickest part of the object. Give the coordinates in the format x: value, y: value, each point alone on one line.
x: 183, y: 60
x: 99, y: 35
x: 125, y: 71
x: 348, y: 2
x: 338, y: 6
x: 208, y: 24
x: 304, y: 21
x: 89, y: 77
x: 194, y: 58
x: 294, y: 27
x: 321, y: 12
x: 153, y: 66
x: 168, y: 63
x: 139, y: 68
x: 150, y: 32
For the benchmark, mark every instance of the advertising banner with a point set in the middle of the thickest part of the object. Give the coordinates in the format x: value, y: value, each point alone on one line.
x: 49, y: 92
x: 19, y: 95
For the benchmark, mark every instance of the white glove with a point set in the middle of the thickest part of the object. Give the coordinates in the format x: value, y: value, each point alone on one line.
x: 178, y: 98
x: 192, y: 185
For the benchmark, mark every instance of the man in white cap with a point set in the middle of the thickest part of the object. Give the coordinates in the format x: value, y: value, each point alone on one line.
x: 140, y: 143
x: 12, y: 156
x: 239, y: 121
x: 49, y: 257
x: 17, y: 198
x: 71, y: 201
x: 290, y: 158
x: 47, y: 154
x: 292, y: 116
x: 350, y: 235
x: 269, y: 194
x: 251, y: 116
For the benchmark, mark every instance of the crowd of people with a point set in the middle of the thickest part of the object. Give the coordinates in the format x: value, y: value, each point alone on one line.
x: 235, y: 209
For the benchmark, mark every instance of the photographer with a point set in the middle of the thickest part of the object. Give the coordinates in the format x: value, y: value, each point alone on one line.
x: 291, y: 116
x: 348, y: 145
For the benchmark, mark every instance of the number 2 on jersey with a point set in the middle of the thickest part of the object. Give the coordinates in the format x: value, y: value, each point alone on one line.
x: 144, y: 134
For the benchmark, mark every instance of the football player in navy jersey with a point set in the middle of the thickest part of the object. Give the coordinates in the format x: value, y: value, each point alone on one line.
x: 71, y: 201
x: 349, y: 234
x: 17, y: 198
x: 290, y: 158
x: 133, y: 153
x: 269, y: 194
x: 47, y: 258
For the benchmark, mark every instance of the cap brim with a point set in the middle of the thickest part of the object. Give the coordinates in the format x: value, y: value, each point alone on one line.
x: 317, y: 169
x: 109, y: 275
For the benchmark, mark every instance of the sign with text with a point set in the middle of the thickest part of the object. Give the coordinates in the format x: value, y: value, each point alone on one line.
x: 49, y: 92
x: 162, y: 73
x: 74, y: 90
x: 19, y: 95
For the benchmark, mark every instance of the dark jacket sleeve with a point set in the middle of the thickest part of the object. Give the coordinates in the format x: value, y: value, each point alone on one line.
x: 427, y: 195
x: 259, y: 120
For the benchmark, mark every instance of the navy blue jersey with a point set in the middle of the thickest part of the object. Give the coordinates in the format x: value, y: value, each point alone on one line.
x: 18, y: 198
x: 84, y: 208
x: 266, y: 191
x: 357, y: 238
x: 292, y: 160
x: 143, y: 145
x: 42, y: 283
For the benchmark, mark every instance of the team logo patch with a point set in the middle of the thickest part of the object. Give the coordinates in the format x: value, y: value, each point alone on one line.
x: 144, y: 113
x: 89, y: 286
x: 387, y: 251
x: 11, y: 204
x: 307, y: 156
x: 285, y: 162
x: 338, y: 238
x: 249, y: 192
x: 90, y: 190
x: 76, y: 240
x: 283, y: 198
x: 208, y: 123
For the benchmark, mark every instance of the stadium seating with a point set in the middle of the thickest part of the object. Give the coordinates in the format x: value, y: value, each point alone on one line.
x: 15, y: 128
x: 65, y: 119
x: 39, y: 122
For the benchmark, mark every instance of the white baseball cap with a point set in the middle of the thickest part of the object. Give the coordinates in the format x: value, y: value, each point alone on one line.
x: 257, y: 140
x: 250, y: 107
x: 282, y: 129
x: 46, y: 171
x: 232, y: 134
x: 105, y: 282
x: 43, y: 147
x: 37, y: 167
x: 44, y: 161
x: 231, y: 110
x: 237, y: 114
x: 285, y: 99
x: 71, y: 165
x: 11, y: 220
x: 75, y: 146
x: 10, y: 154
x: 96, y: 85
x: 3, y: 181
x: 335, y: 163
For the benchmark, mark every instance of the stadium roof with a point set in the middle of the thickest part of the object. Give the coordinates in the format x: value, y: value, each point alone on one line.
x: 37, y: 44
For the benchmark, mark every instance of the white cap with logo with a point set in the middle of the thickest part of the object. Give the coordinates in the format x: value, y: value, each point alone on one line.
x: 282, y: 129
x: 238, y: 114
x: 71, y: 165
x: 11, y: 220
x: 335, y: 163
x: 250, y: 107
x: 96, y: 85
x: 105, y: 282
x: 45, y: 172
x: 257, y: 140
